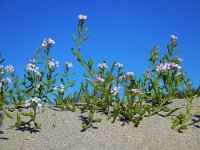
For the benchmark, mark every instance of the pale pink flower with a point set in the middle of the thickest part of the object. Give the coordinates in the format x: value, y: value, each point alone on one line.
x: 173, y: 37
x: 69, y: 64
x: 48, y: 42
x: 115, y: 90
x: 119, y: 65
x: 82, y: 17
x: 102, y: 65
x: 129, y: 74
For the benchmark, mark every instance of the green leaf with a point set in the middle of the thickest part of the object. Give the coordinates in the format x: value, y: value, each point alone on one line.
x: 188, y: 108
x: 85, y: 38
x: 74, y: 51
x: 25, y: 114
x: 166, y: 109
x: 176, y: 52
x: 90, y: 63
x: 85, y: 75
x: 166, y: 57
x: 74, y: 38
x: 86, y: 29
x: 79, y: 58
x: 62, y: 80
x: 172, y: 111
x: 97, y: 120
x: 18, y: 117
x: 7, y: 114
x: 72, y: 83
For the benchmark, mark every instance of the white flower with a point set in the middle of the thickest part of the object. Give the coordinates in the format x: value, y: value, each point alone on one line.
x: 119, y: 65
x: 37, y: 86
x: 62, y: 88
x: 32, y: 67
x: 35, y: 99
x: 38, y: 74
x: 0, y: 86
x: 9, y: 69
x: 55, y: 88
x: 129, y: 74
x: 1, y: 66
x: 173, y: 37
x: 98, y: 79
x: 115, y: 90
x: 53, y: 63
x: 9, y: 80
x: 179, y: 59
x: 122, y: 77
x: 102, y: 65
x: 39, y: 106
x: 82, y: 17
x: 27, y: 103
x: 136, y: 91
x: 48, y: 42
x: 69, y: 64
x: 32, y: 61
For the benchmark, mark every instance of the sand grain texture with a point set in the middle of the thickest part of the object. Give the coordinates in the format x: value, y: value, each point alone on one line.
x: 61, y: 130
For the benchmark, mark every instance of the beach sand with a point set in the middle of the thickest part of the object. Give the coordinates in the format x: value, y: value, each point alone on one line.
x: 61, y: 130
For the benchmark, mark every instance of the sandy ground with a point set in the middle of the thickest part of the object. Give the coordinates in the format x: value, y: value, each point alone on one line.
x: 61, y: 130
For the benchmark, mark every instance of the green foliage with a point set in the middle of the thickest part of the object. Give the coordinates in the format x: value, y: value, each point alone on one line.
x: 119, y: 94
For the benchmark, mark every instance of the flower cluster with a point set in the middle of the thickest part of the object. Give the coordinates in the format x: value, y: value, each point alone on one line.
x: 98, y: 79
x: 173, y: 37
x: 136, y: 91
x: 69, y: 64
x: 129, y: 74
x: 167, y: 66
x: 59, y: 88
x: 119, y: 65
x: 9, y: 69
x: 122, y: 77
x: 4, y: 81
x: 115, y: 90
x: 102, y: 65
x: 48, y: 42
x: 82, y: 17
x: 34, y: 102
x: 53, y: 63
x: 32, y: 66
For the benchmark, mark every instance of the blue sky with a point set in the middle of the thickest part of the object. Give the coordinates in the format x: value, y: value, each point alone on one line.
x: 120, y: 30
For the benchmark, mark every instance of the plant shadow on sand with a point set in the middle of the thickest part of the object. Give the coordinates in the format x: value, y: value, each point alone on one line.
x: 85, y: 121
x: 195, y: 121
x: 27, y: 128
x: 1, y: 132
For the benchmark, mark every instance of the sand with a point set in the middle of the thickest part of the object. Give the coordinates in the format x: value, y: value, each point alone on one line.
x: 61, y: 130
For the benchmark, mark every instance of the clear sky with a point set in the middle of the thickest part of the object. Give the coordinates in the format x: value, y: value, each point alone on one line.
x: 121, y: 30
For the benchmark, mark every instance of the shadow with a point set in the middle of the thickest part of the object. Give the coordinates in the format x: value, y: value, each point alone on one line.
x: 29, y: 129
x: 167, y: 103
x: 103, y: 112
x: 84, y: 119
x: 124, y: 121
x: 196, y: 120
x: 3, y: 138
x: 1, y: 117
